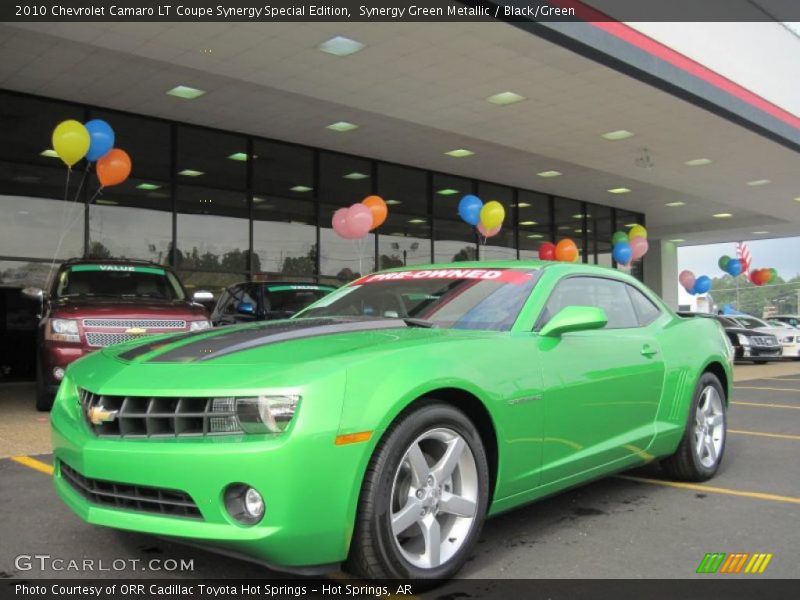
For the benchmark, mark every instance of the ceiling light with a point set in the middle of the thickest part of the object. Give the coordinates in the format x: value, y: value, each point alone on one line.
x: 760, y: 232
x: 722, y: 216
x: 190, y: 173
x: 578, y: 230
x: 619, y: 190
x: 564, y: 227
x: 549, y: 173
x: 393, y: 202
x: 459, y: 153
x: 416, y: 221
x: 759, y: 182
x: 147, y: 186
x: 678, y: 203
x: 341, y: 126
x: 580, y: 216
x: 535, y: 236
x: 298, y: 222
x: 49, y: 153
x: 631, y: 224
x: 355, y: 175
x: 300, y: 189
x: 341, y: 46
x: 107, y: 202
x: 797, y: 199
x: 677, y: 240
x: 529, y: 222
x: 504, y: 98
x: 523, y: 205
x: 619, y: 134
x: 238, y: 156
x: 185, y: 92
x: 447, y: 192
x: 698, y: 162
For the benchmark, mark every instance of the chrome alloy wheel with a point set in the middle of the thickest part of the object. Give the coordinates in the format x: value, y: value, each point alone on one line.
x: 709, y: 427
x: 434, y: 498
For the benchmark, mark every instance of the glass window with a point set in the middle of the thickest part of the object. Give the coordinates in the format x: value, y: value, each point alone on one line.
x: 41, y: 228
x: 147, y: 141
x: 500, y: 246
x: 608, y: 294
x: 343, y: 260
x: 135, y: 282
x: 405, y: 240
x: 26, y: 274
x: 344, y: 180
x: 454, y: 241
x: 282, y: 301
x: 600, y: 232
x: 283, y: 170
x: 403, y: 188
x: 126, y: 232
x: 284, y: 238
x: 447, y: 193
x: 534, y: 220
x: 647, y: 311
x: 214, y: 282
x: 211, y: 158
x: 569, y: 223
x: 626, y: 220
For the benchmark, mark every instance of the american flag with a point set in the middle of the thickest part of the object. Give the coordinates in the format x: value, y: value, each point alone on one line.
x: 743, y: 254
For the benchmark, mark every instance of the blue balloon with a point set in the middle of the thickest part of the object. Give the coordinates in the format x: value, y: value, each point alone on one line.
x: 101, y: 139
x: 702, y: 284
x: 734, y: 267
x: 622, y: 253
x: 469, y: 209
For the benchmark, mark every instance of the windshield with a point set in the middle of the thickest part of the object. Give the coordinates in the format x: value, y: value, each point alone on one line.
x: 488, y: 299
x: 751, y: 322
x: 287, y: 299
x: 118, y: 281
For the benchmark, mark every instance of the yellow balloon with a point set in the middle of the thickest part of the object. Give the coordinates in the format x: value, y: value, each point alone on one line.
x: 70, y: 141
x: 637, y: 231
x: 492, y: 214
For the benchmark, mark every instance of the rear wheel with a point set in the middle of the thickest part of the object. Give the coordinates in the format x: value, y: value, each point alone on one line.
x: 424, y: 497
x: 700, y: 452
x: 44, y: 398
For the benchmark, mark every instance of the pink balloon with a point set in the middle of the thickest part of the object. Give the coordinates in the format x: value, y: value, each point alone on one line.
x: 339, y: 223
x: 639, y: 247
x: 686, y: 279
x: 359, y: 221
x: 487, y: 233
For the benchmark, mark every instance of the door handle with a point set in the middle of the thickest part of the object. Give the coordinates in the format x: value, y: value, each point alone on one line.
x: 648, y: 350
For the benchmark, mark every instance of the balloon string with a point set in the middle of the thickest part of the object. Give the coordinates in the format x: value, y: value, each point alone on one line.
x: 64, y: 218
x: 66, y: 184
x: 83, y: 180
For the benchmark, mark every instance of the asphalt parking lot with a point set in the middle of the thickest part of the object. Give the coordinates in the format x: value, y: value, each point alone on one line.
x: 636, y: 525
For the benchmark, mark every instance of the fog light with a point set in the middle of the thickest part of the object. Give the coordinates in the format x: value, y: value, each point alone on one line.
x: 58, y: 373
x: 244, y: 503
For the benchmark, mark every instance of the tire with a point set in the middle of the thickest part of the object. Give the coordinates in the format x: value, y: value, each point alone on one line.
x: 700, y: 451
x: 44, y: 398
x: 411, y: 455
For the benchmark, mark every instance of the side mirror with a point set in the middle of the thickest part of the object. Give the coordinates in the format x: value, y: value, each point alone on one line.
x: 33, y: 293
x: 245, y: 308
x: 202, y: 296
x: 575, y: 318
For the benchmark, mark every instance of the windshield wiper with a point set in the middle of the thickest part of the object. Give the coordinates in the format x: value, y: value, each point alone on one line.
x: 411, y: 322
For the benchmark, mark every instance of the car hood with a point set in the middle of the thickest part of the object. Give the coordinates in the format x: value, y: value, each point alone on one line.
x: 128, y: 308
x: 286, y: 343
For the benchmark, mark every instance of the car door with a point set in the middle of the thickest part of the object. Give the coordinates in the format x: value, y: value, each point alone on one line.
x: 602, y: 387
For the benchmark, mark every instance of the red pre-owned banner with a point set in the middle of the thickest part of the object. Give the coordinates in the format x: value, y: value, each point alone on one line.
x: 501, y: 275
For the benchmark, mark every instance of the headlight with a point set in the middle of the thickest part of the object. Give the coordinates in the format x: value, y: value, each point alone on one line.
x: 199, y: 325
x: 743, y: 339
x: 266, y: 414
x: 62, y: 330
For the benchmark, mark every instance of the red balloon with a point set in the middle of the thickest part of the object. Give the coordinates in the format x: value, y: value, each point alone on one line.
x: 114, y: 167
x: 547, y: 251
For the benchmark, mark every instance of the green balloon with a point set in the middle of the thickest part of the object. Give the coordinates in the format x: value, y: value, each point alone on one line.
x: 619, y: 236
x: 773, y: 275
x: 723, y: 262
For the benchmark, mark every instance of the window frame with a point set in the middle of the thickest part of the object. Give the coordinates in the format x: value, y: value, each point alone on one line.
x: 642, y: 322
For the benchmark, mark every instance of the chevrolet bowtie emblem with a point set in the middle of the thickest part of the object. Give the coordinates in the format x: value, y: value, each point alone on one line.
x: 136, y: 331
x: 99, y: 415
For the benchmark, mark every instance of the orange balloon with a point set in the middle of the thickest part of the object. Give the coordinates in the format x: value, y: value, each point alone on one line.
x: 566, y: 250
x: 379, y: 210
x: 114, y: 167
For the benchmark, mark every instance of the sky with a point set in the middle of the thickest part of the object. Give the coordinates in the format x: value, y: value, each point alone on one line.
x: 782, y: 254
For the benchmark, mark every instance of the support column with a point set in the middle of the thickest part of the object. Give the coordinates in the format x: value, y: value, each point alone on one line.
x: 661, y: 271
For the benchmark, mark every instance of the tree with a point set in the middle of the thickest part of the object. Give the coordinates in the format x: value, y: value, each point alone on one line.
x: 301, y: 266
x: 466, y: 253
x: 98, y: 250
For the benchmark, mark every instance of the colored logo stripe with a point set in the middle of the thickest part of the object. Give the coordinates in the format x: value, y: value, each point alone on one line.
x: 711, y: 562
x: 758, y: 564
x: 733, y: 563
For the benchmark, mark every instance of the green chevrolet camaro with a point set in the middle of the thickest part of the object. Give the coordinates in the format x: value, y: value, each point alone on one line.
x: 383, y: 424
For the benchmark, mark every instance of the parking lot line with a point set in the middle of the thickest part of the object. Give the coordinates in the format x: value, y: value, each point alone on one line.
x: 769, y: 389
x: 782, y: 436
x: 766, y: 405
x: 697, y: 487
x: 781, y: 379
x: 34, y: 464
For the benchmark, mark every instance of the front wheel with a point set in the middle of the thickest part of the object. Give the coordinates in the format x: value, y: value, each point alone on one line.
x: 700, y: 452
x: 424, y: 497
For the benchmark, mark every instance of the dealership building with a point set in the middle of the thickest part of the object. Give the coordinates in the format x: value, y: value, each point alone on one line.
x: 246, y: 137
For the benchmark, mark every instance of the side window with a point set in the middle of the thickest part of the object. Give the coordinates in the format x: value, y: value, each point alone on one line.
x: 608, y: 294
x: 645, y: 309
x: 226, y: 305
x: 239, y: 294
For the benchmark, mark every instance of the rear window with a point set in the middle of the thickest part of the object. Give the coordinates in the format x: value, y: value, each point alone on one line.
x: 118, y: 281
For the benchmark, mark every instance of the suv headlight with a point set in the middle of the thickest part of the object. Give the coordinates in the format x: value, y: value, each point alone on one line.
x: 199, y: 325
x: 266, y: 414
x: 743, y: 339
x: 62, y: 330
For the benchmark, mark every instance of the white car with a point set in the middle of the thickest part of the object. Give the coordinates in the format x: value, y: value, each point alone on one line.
x: 792, y: 320
x: 787, y: 335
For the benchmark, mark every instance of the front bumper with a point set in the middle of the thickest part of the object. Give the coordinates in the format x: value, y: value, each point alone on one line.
x: 310, y: 485
x: 758, y: 352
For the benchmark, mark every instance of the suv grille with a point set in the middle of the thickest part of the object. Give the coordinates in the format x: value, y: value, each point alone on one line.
x: 146, y: 417
x: 132, y: 497
x: 143, y: 323
x: 108, y: 339
x: 764, y: 340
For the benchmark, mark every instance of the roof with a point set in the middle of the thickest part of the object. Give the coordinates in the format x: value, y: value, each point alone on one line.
x: 112, y: 261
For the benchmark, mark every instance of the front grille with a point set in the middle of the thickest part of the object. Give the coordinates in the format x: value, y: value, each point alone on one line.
x: 174, y: 503
x: 141, y: 323
x: 101, y: 340
x: 764, y: 340
x: 148, y: 417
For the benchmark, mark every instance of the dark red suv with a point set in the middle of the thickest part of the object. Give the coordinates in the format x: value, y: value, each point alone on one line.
x: 96, y: 303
